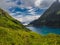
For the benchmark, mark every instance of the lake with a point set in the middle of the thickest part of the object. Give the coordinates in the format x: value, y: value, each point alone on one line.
x: 45, y: 30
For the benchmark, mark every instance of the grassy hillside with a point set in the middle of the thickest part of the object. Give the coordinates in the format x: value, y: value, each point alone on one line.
x: 12, y: 32
x: 13, y: 37
x: 8, y: 22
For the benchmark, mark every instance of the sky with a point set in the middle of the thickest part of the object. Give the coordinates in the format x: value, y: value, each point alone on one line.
x: 25, y: 10
x: 26, y: 3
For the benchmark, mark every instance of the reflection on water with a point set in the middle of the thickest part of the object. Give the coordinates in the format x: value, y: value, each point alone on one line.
x: 45, y: 30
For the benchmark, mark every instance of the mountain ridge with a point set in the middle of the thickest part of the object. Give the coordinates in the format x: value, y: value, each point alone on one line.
x: 50, y: 17
x: 7, y: 21
x: 12, y: 32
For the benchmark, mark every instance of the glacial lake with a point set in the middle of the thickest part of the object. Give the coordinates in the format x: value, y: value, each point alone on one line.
x: 45, y: 30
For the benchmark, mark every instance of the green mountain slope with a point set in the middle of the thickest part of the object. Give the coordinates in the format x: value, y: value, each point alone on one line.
x: 51, y: 17
x: 8, y: 22
x: 12, y: 32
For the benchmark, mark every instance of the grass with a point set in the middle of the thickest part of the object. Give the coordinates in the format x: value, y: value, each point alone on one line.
x: 12, y: 32
x: 58, y: 13
x: 20, y: 37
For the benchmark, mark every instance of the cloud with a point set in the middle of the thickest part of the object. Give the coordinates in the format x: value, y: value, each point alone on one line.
x: 27, y: 19
x: 25, y: 3
x: 38, y: 2
x: 25, y: 10
x: 43, y: 3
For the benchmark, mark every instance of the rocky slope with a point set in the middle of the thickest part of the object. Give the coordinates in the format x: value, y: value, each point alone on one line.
x: 51, y: 16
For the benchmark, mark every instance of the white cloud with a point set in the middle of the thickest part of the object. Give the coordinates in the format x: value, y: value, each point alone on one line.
x: 31, y: 10
x: 26, y: 3
x: 27, y: 18
x: 38, y: 2
x: 43, y: 3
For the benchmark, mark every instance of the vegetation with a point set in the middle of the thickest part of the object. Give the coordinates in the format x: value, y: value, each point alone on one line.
x: 14, y: 37
x: 12, y: 32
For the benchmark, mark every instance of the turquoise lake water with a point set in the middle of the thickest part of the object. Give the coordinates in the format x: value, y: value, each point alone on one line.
x: 45, y: 30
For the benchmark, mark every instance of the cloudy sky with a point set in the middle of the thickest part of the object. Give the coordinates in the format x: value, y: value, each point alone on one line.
x: 26, y: 3
x: 25, y: 10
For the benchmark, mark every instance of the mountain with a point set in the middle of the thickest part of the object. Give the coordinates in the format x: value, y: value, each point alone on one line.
x: 12, y: 32
x: 51, y: 17
x: 7, y: 21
